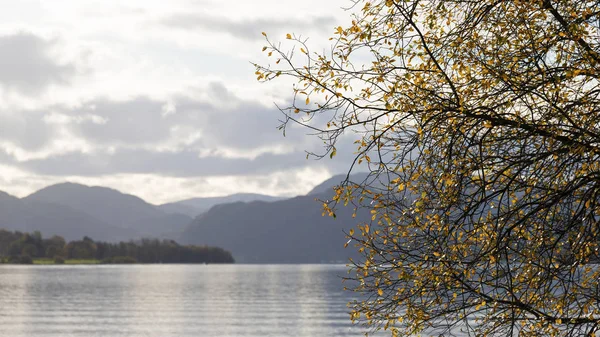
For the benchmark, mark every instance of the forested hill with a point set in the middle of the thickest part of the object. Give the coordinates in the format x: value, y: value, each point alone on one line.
x: 18, y: 247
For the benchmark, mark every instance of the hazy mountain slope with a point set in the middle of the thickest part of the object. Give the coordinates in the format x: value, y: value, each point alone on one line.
x: 12, y: 211
x: 7, y: 202
x: 103, y: 203
x: 175, y: 207
x: 112, y: 207
x: 165, y: 226
x: 327, y: 186
x: 196, y: 206
x: 52, y: 219
x: 287, y: 231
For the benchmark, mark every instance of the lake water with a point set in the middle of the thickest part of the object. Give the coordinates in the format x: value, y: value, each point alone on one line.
x: 175, y: 300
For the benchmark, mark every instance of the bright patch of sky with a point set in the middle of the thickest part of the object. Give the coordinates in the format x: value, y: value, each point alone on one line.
x: 154, y: 98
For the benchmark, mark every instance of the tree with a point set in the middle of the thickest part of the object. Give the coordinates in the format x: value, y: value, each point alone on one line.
x: 83, y: 249
x: 480, y: 124
x: 55, y: 246
x: 29, y: 250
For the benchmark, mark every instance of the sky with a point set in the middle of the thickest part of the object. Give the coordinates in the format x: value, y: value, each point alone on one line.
x: 155, y: 98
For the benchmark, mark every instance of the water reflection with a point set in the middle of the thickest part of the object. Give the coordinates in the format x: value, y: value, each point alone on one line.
x: 174, y: 300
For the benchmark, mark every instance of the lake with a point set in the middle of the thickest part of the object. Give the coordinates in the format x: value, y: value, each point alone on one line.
x: 175, y: 300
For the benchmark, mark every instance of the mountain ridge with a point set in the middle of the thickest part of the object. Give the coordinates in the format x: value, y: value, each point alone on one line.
x: 110, y: 206
x: 293, y: 230
x: 196, y: 206
x: 272, y: 230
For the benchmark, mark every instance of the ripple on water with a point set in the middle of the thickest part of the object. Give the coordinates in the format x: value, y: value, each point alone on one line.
x: 174, y: 300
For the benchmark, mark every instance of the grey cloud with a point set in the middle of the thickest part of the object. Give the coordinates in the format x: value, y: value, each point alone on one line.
x: 142, y: 121
x: 132, y: 132
x: 184, y: 163
x: 28, y: 66
x: 246, y: 127
x: 248, y: 29
x: 135, y: 122
x: 26, y: 129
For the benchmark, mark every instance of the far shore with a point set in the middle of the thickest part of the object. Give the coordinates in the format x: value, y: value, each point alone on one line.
x: 59, y: 262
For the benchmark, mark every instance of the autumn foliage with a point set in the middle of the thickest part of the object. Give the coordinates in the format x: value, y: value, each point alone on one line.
x: 480, y: 124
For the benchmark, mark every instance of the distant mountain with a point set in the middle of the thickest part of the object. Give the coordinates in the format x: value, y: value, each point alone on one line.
x: 286, y: 231
x: 114, y: 208
x: 255, y: 228
x: 328, y: 185
x: 177, y: 208
x: 8, y: 201
x: 52, y: 219
x: 195, y: 206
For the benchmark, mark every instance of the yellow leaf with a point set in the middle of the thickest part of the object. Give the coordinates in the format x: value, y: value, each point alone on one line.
x: 307, y: 100
x: 380, y: 292
x: 288, y: 36
x: 264, y: 34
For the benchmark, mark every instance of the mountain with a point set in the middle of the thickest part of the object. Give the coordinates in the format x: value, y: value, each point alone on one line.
x: 114, y: 208
x: 7, y: 201
x: 195, y: 206
x: 327, y: 186
x: 177, y: 208
x: 111, y: 206
x: 267, y: 230
x: 285, y: 231
x: 52, y: 219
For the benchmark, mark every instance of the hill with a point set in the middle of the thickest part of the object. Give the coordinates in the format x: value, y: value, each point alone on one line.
x: 327, y: 186
x: 112, y: 207
x: 286, y: 231
x: 196, y: 206
x: 273, y: 230
x: 51, y: 219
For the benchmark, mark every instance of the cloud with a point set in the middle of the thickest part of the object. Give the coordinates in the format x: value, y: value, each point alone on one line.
x: 29, y: 65
x: 26, y: 129
x: 246, y: 29
x: 153, y: 96
x: 160, y: 189
x: 214, y: 133
x: 185, y: 163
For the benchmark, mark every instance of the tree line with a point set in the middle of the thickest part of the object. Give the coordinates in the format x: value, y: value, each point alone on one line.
x: 19, y: 247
